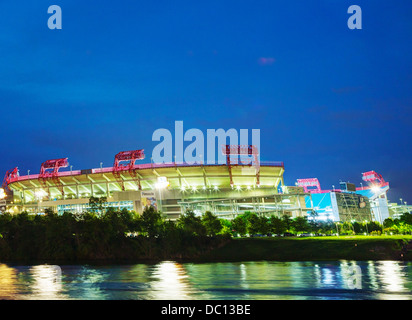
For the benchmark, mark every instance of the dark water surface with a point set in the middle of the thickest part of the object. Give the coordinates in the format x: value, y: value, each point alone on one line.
x: 225, y: 281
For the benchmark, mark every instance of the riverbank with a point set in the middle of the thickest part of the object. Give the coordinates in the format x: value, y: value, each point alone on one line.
x: 313, y: 248
x: 221, y: 249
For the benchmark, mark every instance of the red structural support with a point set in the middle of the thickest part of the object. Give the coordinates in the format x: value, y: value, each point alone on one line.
x: 230, y: 150
x: 49, y: 170
x: 130, y: 158
x: 309, y: 182
x: 10, y: 175
x: 374, y: 178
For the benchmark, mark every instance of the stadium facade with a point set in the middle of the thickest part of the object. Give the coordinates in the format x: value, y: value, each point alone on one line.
x: 226, y: 190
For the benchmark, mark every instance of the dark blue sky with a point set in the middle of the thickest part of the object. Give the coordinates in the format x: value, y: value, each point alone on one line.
x: 330, y: 102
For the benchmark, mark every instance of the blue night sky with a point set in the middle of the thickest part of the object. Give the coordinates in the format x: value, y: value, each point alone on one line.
x: 330, y: 102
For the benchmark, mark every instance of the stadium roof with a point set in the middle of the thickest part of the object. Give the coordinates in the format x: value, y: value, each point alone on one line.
x: 144, y: 177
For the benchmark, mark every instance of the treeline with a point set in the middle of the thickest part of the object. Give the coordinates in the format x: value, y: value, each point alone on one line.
x: 252, y: 224
x: 402, y: 225
x: 110, y: 235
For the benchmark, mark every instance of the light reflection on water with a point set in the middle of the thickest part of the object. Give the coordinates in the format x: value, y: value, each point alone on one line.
x: 190, y: 281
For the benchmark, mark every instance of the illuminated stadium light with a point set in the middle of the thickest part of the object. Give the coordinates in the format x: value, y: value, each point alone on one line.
x: 194, y: 189
x: 238, y: 188
x: 40, y: 194
x: 248, y: 187
x: 216, y: 187
x: 376, y: 189
x: 161, y: 183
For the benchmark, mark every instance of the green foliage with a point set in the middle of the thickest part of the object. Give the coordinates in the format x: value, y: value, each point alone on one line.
x: 287, y: 221
x: 239, y: 225
x: 191, y: 223
x: 97, y: 204
x: 114, y: 234
x: 277, y: 225
x: 257, y: 224
x: 406, y: 218
x: 151, y: 222
x: 106, y: 235
x: 300, y: 224
x: 211, y: 223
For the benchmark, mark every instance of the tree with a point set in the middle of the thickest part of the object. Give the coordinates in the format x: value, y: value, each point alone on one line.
x: 48, y: 212
x: 239, y: 225
x: 264, y: 226
x: 97, y: 204
x: 357, y: 227
x: 192, y: 224
x: 211, y: 223
x: 406, y: 218
x: 300, y: 224
x: 151, y: 222
x: 287, y: 221
x: 257, y: 224
x: 388, y: 222
x: 253, y: 224
x: 277, y: 225
x: 373, y: 226
x: 327, y: 226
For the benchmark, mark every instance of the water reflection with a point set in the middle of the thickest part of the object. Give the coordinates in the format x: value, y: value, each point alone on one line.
x: 392, y: 277
x: 170, y: 281
x: 188, y: 281
x: 7, y: 282
x: 46, y: 282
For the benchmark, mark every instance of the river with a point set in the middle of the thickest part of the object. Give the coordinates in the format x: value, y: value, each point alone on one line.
x: 224, y: 281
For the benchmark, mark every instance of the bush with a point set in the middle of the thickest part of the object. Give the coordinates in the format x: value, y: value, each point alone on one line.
x: 376, y: 233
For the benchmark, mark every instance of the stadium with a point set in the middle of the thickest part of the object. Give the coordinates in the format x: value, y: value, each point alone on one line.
x: 227, y: 190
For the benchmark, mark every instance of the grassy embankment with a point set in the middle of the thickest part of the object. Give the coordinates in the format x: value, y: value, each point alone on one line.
x: 314, y: 248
